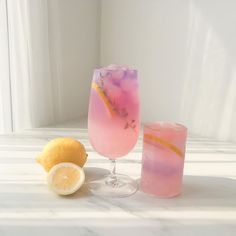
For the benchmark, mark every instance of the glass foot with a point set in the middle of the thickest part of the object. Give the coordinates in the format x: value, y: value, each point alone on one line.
x: 117, y: 185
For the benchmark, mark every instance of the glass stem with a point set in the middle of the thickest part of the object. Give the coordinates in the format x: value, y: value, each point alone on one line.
x: 112, y: 178
x: 113, y: 169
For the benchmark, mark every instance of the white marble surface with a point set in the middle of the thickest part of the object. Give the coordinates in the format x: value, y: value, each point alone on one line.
x: 207, y: 205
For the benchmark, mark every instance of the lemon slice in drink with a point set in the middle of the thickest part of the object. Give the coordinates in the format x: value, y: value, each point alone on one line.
x: 65, y: 178
x: 164, y: 143
x: 104, y: 98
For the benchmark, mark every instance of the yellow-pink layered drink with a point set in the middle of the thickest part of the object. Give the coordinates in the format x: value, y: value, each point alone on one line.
x: 113, y: 118
x: 163, y: 158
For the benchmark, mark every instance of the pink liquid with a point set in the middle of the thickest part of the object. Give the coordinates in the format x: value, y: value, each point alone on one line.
x: 163, y: 159
x: 114, y: 134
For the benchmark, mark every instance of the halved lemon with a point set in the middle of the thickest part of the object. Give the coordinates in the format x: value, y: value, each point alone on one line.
x: 65, y: 178
x: 104, y: 98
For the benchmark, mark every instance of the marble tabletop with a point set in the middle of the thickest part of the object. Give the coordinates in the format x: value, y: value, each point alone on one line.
x: 207, y: 205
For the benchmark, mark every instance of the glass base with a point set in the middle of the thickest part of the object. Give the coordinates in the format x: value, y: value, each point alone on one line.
x: 116, y: 185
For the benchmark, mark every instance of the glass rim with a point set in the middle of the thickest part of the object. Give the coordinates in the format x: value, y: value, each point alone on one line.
x: 118, y: 69
x: 149, y: 125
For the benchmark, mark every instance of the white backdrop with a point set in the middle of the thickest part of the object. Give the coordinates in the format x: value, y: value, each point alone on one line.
x: 5, y: 93
x: 74, y: 49
x: 50, y: 49
x: 184, y: 51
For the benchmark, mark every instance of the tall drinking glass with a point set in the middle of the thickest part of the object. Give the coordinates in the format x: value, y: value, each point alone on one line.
x: 163, y: 158
x: 113, y: 124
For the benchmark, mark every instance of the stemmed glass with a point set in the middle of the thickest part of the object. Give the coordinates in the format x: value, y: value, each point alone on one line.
x: 113, y: 124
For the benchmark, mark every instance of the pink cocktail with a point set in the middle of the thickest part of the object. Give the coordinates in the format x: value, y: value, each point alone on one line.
x: 163, y: 158
x: 113, y: 119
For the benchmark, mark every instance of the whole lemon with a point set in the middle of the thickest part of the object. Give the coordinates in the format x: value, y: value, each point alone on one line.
x: 62, y: 150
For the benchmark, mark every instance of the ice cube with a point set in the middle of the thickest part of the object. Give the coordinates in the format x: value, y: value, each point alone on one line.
x: 113, y: 90
x: 128, y: 84
x: 117, y: 67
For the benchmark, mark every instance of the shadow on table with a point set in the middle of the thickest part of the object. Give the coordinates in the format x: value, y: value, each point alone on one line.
x: 91, y: 173
x: 198, y: 191
x: 94, y: 173
x: 191, y: 213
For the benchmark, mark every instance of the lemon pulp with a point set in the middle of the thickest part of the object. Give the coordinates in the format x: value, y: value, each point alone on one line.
x: 65, y: 178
